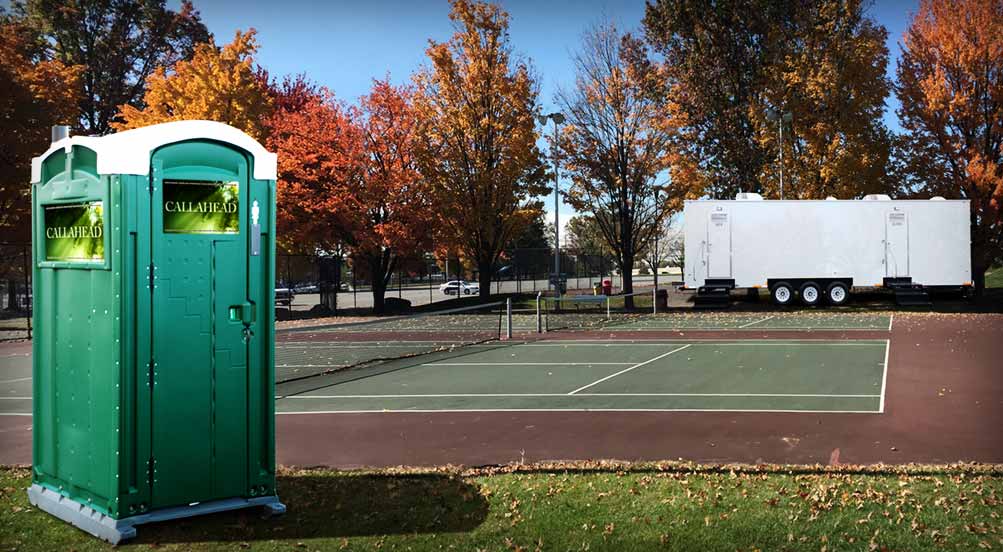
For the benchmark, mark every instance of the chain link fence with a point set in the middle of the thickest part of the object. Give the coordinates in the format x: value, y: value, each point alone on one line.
x: 310, y: 285
x: 15, y: 291
x: 329, y: 284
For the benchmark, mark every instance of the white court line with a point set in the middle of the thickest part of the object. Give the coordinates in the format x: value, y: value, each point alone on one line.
x: 649, y: 361
x: 756, y: 322
x: 472, y: 395
x: 15, y: 414
x: 757, y: 342
x: 528, y: 364
x: 477, y: 410
x: 884, y: 376
x: 15, y: 398
x: 312, y: 365
x: 890, y: 319
x: 15, y: 380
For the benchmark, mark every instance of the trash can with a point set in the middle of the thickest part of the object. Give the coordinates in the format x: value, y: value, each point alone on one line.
x: 153, y: 359
x: 661, y: 299
x: 607, y: 287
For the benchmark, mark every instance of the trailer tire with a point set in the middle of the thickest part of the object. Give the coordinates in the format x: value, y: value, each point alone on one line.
x: 782, y: 293
x: 837, y: 293
x: 811, y: 294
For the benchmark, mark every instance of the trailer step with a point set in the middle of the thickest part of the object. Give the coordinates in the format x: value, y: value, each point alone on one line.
x: 912, y: 297
x: 712, y: 298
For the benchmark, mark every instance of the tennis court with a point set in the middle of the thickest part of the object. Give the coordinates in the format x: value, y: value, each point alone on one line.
x: 745, y: 375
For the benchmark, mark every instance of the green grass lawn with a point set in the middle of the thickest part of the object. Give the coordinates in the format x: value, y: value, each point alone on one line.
x: 609, y: 507
x: 994, y: 278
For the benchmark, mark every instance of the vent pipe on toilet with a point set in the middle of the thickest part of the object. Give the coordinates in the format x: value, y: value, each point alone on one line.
x: 59, y: 132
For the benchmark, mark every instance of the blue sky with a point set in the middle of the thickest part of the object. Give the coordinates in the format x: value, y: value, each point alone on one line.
x: 345, y: 44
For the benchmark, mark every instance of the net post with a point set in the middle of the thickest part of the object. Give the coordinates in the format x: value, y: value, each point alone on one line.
x: 539, y: 314
x: 508, y: 318
x: 654, y: 301
x: 609, y: 316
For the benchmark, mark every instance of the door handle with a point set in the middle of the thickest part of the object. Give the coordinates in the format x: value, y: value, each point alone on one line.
x: 244, y: 312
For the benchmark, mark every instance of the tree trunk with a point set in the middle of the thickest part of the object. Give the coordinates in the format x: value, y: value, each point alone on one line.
x: 978, y: 277
x: 627, y: 278
x: 379, y: 269
x: 12, y: 302
x: 484, y: 278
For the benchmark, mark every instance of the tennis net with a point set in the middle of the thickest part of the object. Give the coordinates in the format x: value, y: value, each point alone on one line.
x: 309, y: 352
x: 595, y: 311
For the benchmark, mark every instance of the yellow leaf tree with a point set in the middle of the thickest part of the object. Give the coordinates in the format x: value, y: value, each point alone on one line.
x: 831, y: 81
x: 951, y: 90
x: 217, y: 84
x: 615, y: 146
x: 475, y: 123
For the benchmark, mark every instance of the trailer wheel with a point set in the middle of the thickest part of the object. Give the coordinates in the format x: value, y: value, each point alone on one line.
x: 837, y: 293
x: 810, y: 293
x: 782, y: 293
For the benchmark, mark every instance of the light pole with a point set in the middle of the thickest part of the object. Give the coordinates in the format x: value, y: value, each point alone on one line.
x: 558, y: 119
x: 780, y: 118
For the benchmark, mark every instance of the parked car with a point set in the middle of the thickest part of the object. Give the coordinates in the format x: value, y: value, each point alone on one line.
x: 455, y: 287
x: 307, y: 287
x: 284, y: 297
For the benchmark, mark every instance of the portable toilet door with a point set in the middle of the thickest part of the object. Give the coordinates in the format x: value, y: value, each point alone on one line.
x: 719, y: 244
x: 199, y: 254
x: 896, y: 244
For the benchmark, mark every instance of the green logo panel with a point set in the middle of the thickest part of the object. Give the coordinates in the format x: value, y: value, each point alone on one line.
x: 201, y: 207
x: 74, y: 232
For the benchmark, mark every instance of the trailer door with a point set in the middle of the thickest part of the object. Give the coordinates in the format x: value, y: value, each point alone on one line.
x: 896, y: 245
x: 719, y: 245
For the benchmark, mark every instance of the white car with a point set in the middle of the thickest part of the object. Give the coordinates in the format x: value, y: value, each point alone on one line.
x: 455, y: 287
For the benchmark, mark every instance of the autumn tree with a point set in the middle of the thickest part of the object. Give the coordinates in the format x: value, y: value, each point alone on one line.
x: 475, y: 105
x: 320, y: 161
x: 829, y: 74
x: 35, y: 94
x: 119, y: 43
x: 394, y: 201
x: 615, y: 144
x: 726, y: 64
x: 218, y: 84
x: 950, y: 85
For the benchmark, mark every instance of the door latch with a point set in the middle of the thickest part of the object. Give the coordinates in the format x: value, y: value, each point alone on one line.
x: 246, y: 334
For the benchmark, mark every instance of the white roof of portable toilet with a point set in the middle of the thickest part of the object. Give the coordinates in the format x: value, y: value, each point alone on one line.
x: 129, y: 152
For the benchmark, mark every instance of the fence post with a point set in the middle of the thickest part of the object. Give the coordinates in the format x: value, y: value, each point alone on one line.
x: 29, y: 296
x: 654, y: 301
x: 539, y: 314
x: 508, y: 318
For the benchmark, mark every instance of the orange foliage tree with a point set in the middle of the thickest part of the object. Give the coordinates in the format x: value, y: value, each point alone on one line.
x: 951, y: 90
x: 217, y: 84
x: 35, y: 93
x: 475, y: 107
x: 320, y: 160
x: 395, y: 201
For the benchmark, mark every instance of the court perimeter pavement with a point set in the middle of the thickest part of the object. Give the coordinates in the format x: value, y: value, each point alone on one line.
x: 928, y: 388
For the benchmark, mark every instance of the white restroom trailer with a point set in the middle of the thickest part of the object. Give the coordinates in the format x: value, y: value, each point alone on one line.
x: 820, y: 250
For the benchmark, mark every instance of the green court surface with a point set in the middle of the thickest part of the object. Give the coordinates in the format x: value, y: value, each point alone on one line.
x: 731, y: 375
x: 760, y: 375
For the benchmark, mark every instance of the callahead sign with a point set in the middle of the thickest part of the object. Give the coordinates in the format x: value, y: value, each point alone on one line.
x: 74, y: 232
x: 201, y: 207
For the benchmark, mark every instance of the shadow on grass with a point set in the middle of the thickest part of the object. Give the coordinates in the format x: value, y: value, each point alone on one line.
x: 339, y: 505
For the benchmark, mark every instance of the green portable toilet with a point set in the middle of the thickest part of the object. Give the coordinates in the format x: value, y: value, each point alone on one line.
x: 153, y: 390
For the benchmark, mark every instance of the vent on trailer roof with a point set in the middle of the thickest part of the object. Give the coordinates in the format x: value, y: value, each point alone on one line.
x: 877, y: 197
x: 748, y: 196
